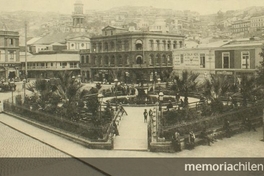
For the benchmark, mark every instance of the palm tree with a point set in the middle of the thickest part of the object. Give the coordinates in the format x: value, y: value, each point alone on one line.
x: 214, y: 88
x: 247, y: 87
x: 184, y: 84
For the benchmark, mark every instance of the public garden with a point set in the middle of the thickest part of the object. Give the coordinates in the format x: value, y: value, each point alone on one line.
x: 181, y: 104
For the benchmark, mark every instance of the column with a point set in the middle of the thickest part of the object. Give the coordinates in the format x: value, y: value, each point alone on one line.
x: 123, y: 45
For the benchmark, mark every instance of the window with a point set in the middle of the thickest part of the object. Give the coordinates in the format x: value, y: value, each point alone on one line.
x: 72, y: 45
x: 202, y: 60
x: 182, y: 58
x: 11, y: 55
x: 112, y: 33
x: 73, y: 64
x: 225, y: 60
x: 245, y: 60
x: 82, y: 61
x: 11, y: 41
x: 82, y: 45
x: 87, y: 59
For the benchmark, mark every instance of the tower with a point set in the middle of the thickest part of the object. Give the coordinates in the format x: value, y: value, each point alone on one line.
x: 78, y: 17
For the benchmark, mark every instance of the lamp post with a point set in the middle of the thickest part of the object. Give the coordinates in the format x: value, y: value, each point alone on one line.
x: 79, y: 79
x: 159, y: 83
x: 24, y: 87
x: 12, y: 86
x: 161, y: 95
x: 100, y: 99
x: 116, y: 81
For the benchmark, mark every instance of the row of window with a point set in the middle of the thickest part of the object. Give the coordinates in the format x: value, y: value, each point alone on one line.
x: 245, y: 60
x: 138, y: 46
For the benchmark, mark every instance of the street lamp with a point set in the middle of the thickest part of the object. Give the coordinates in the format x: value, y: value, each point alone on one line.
x: 159, y: 83
x: 116, y: 81
x: 79, y: 78
x: 161, y: 95
x: 24, y: 87
x: 12, y: 86
x: 100, y: 99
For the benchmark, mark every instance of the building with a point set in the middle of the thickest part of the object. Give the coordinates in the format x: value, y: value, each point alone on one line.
x: 9, y: 55
x: 78, y: 17
x: 49, y: 65
x: 231, y: 58
x: 257, y: 23
x: 78, y: 43
x: 241, y: 27
x: 125, y: 55
x: 238, y: 57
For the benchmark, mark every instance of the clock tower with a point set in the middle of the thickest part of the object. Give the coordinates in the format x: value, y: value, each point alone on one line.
x: 78, y: 17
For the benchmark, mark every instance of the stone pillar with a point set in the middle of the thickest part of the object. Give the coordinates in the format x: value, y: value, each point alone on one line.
x: 6, y: 55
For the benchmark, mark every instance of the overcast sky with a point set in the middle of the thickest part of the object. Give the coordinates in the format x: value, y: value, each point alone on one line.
x: 66, y: 6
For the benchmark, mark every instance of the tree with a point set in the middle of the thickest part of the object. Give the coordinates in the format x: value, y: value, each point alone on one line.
x: 260, y: 71
x: 184, y: 84
x: 247, y: 86
x: 214, y: 88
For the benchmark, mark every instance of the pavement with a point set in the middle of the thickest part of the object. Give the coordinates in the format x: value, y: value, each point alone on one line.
x: 132, y: 131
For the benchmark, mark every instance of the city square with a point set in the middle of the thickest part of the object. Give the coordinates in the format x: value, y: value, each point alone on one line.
x: 130, y: 82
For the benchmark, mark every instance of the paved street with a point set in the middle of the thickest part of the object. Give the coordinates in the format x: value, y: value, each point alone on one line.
x: 132, y: 131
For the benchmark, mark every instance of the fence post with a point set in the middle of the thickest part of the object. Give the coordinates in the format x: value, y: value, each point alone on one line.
x: 263, y: 124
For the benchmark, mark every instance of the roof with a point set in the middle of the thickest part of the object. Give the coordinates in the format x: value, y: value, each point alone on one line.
x: 214, y: 44
x: 52, y: 57
x: 113, y: 27
x: 33, y: 40
x: 243, y: 44
x: 59, y: 37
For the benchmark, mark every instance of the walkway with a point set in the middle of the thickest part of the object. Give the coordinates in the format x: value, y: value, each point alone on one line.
x: 132, y: 131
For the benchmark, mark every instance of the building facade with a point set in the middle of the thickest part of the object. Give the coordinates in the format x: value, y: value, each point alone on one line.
x: 238, y: 58
x: 257, y: 23
x: 233, y: 59
x: 129, y: 55
x: 241, y: 27
x: 49, y: 65
x: 9, y: 55
x: 78, y: 43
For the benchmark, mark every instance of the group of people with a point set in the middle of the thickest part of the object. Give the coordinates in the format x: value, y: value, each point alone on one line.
x: 146, y: 114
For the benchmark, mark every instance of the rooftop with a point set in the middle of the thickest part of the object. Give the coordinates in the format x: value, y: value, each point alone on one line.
x: 52, y: 57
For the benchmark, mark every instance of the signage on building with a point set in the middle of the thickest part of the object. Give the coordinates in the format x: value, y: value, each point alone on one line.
x: 224, y: 72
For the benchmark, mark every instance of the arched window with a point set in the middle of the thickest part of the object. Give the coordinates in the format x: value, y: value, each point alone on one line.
x: 139, y: 59
x: 106, y: 61
x: 139, y: 45
x: 151, y: 59
x: 82, y: 60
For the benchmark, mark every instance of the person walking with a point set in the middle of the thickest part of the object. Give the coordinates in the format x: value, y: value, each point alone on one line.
x: 145, y: 116
x: 150, y: 113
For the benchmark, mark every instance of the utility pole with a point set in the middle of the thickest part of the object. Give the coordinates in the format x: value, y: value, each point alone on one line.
x: 263, y: 124
x: 26, y: 71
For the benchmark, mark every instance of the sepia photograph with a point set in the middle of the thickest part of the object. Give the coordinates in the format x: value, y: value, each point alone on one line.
x: 129, y: 87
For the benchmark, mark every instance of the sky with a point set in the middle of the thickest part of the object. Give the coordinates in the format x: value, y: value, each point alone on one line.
x: 66, y: 6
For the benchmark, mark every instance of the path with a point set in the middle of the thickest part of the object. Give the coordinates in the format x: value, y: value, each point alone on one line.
x: 132, y: 131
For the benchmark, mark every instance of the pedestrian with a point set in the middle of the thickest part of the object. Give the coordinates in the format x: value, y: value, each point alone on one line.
x: 150, y: 113
x: 226, y: 128
x: 176, y: 142
x: 205, y: 136
x: 115, y: 129
x: 145, y: 116
x: 191, y: 140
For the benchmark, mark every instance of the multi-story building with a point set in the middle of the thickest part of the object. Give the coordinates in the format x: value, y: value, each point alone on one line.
x: 231, y: 58
x: 9, y: 54
x: 78, y: 43
x: 241, y: 27
x: 49, y: 65
x: 118, y: 54
x: 237, y: 58
x: 257, y: 23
